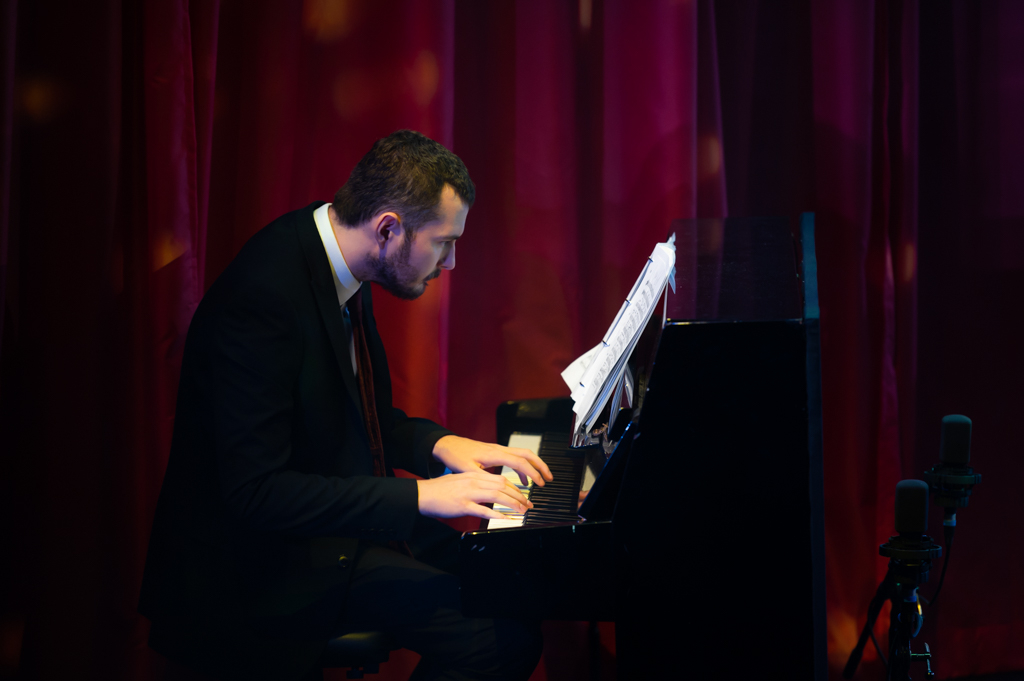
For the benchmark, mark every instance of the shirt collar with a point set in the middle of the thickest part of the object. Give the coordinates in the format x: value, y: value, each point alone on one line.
x: 345, y: 282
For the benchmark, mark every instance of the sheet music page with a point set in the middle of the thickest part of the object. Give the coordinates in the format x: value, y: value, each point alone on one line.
x: 574, y: 372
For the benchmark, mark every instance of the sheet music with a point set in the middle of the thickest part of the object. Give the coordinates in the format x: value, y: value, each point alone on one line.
x: 598, y: 373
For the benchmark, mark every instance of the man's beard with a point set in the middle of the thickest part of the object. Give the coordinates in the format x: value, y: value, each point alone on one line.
x: 393, y: 274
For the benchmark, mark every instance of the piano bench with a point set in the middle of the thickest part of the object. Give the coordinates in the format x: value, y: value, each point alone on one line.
x: 360, y: 651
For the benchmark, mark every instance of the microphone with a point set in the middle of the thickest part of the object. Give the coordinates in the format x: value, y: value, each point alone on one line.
x: 955, y: 445
x: 911, y: 550
x: 952, y: 480
x: 911, y: 507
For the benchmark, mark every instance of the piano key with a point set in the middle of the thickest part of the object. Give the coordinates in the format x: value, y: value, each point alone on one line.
x: 495, y: 524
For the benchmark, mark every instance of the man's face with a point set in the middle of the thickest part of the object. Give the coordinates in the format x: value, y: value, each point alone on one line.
x: 421, y: 256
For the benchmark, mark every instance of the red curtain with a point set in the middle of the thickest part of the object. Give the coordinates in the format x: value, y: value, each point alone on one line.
x: 143, y: 143
x: 971, y: 255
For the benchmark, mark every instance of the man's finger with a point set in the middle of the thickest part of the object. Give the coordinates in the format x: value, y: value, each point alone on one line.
x: 479, y: 511
x: 506, y: 496
x: 516, y: 487
x: 484, y: 512
x: 525, y: 471
x: 482, y: 487
x: 525, y: 466
x: 511, y: 493
x: 536, y: 461
x: 511, y: 463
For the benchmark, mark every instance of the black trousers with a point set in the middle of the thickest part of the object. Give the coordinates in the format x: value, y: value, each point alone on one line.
x: 416, y: 600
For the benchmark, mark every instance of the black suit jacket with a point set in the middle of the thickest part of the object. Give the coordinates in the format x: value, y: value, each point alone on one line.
x: 269, y: 486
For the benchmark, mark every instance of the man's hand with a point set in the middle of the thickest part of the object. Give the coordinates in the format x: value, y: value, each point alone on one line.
x: 462, y: 455
x: 452, y: 496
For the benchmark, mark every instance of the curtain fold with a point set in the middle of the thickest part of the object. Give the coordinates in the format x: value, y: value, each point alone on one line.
x: 141, y: 144
x: 8, y: 21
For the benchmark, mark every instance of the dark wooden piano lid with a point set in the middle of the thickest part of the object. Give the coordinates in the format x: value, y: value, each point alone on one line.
x: 737, y: 269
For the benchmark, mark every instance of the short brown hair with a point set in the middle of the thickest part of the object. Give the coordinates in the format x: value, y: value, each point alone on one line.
x: 404, y: 172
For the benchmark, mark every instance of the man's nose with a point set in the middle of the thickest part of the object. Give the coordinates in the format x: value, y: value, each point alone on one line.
x: 449, y: 260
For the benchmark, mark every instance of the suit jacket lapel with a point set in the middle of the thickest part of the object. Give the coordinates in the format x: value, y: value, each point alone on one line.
x: 322, y: 282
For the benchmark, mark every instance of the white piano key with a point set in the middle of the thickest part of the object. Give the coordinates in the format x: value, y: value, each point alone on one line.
x: 495, y: 523
x: 525, y: 441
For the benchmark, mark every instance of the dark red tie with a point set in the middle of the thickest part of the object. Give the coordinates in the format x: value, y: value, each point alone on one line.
x: 365, y: 380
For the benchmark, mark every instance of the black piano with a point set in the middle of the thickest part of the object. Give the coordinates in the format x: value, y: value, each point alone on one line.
x: 702, y: 534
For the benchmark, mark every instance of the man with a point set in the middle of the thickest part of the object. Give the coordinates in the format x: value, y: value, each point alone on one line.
x: 279, y: 521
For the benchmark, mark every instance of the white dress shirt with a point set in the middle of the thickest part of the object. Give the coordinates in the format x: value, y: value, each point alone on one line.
x: 345, y: 283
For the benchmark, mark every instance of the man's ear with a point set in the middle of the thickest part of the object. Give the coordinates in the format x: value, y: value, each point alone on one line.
x: 386, y: 228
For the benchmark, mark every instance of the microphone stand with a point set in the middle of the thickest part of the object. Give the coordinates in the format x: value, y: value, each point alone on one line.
x: 910, y: 560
